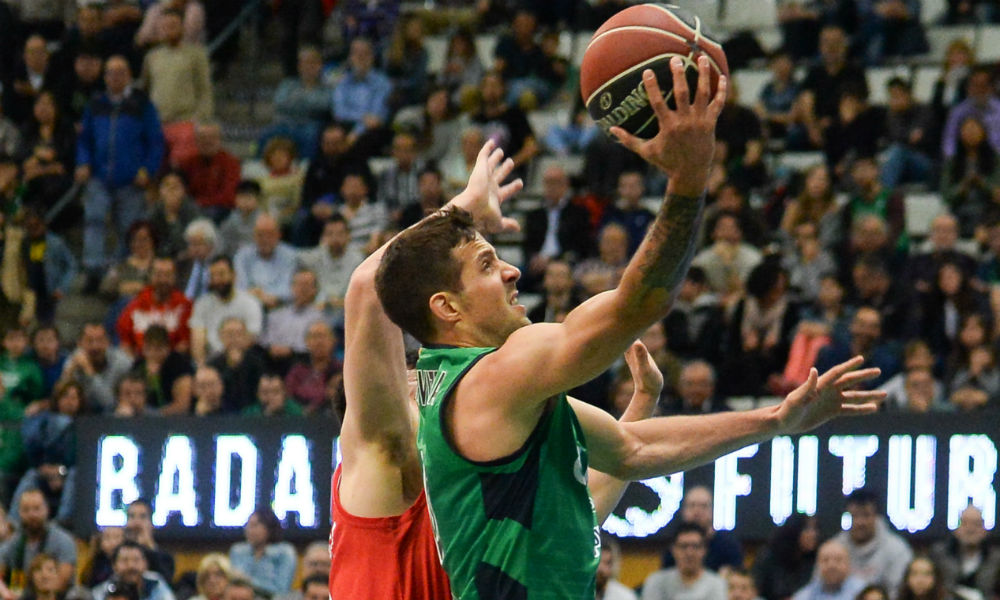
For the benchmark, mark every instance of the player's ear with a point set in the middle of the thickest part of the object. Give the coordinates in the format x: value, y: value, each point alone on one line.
x: 444, y: 306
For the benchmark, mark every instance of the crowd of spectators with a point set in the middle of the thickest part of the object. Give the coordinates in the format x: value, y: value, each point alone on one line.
x: 225, y: 275
x: 867, y: 561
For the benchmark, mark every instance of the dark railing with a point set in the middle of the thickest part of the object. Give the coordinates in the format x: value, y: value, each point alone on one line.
x: 248, y: 14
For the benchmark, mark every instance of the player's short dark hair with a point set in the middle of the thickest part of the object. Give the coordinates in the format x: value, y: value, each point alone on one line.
x: 418, y: 264
x: 862, y: 497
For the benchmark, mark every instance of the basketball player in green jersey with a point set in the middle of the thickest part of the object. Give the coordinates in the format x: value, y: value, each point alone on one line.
x: 505, y: 454
x: 380, y: 485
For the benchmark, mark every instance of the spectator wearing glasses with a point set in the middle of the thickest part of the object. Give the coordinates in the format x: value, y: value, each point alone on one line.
x: 690, y: 578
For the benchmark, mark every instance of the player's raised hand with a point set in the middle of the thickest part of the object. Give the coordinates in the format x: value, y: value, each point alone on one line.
x: 648, y: 382
x: 824, y: 397
x: 684, y: 145
x: 486, y: 190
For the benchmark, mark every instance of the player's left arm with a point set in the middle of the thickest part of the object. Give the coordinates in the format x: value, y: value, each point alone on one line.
x: 605, y: 489
x: 667, y: 445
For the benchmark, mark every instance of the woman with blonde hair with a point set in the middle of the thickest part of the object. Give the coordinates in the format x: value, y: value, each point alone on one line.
x: 214, y: 573
x: 949, y: 89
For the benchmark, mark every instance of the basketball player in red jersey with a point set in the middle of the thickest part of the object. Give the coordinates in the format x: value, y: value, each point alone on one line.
x: 382, y: 544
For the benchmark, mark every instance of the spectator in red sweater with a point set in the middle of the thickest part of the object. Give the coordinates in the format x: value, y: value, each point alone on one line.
x: 159, y: 303
x: 213, y: 174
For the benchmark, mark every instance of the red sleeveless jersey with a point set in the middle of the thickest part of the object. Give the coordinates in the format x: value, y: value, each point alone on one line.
x: 387, y: 558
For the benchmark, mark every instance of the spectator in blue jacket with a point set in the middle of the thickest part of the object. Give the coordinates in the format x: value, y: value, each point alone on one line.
x: 119, y: 149
x: 50, y: 450
x: 265, y: 560
x: 361, y: 99
x: 51, y: 267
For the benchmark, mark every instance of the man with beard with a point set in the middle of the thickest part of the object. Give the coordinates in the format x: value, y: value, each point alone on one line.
x: 97, y: 367
x: 866, y: 340
x: 139, y: 529
x: 333, y: 261
x: 130, y: 568
x: 37, y: 536
x: 222, y: 303
x: 159, y: 303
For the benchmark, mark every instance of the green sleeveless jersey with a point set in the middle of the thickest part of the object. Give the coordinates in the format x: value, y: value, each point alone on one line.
x: 518, y: 528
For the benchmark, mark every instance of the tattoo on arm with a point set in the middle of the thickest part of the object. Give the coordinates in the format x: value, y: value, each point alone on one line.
x: 669, y: 245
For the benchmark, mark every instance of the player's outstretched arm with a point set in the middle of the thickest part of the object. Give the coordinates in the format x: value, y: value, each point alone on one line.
x: 670, y: 444
x: 546, y: 359
x: 605, y: 489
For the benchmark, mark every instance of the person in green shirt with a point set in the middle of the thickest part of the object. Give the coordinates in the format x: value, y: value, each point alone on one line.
x: 271, y: 399
x: 12, y: 463
x: 22, y: 377
x: 505, y: 453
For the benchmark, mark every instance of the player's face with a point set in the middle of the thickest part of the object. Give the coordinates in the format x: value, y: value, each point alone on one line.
x: 489, y: 294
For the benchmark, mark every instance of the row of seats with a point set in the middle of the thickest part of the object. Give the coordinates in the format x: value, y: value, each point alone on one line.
x: 984, y: 39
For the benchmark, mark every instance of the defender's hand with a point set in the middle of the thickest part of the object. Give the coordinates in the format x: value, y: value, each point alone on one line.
x: 486, y: 191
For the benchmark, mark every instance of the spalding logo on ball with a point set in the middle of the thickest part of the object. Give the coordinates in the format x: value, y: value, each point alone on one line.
x: 643, y: 37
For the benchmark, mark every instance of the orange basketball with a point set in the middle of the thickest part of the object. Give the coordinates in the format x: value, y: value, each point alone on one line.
x: 643, y: 37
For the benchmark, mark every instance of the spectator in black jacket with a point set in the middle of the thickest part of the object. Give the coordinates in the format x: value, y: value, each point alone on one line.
x: 786, y: 564
x: 561, y: 228
x: 966, y: 559
x: 561, y: 293
x: 910, y: 132
x: 323, y: 178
